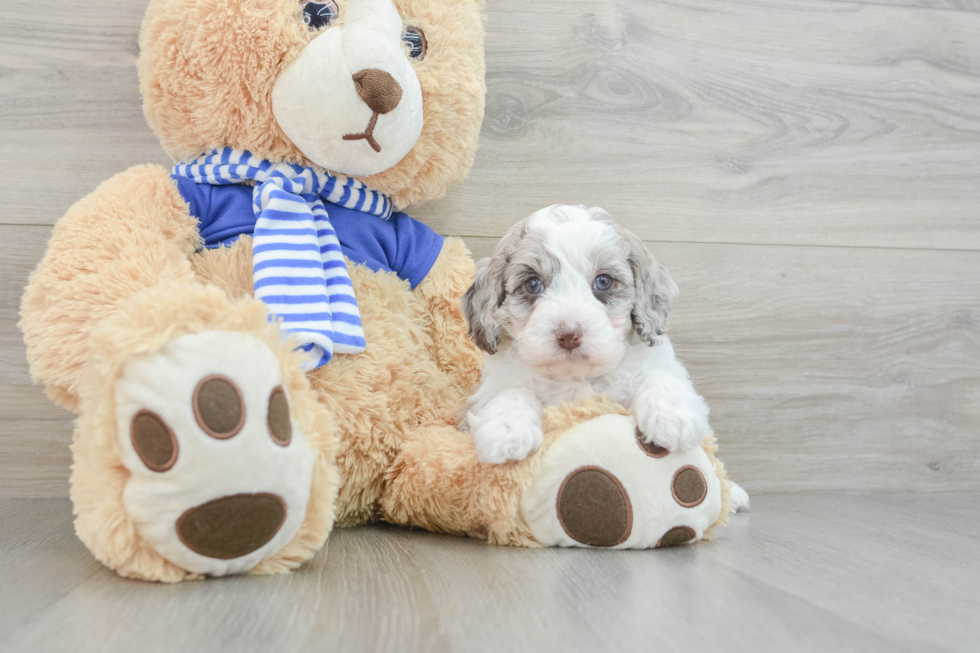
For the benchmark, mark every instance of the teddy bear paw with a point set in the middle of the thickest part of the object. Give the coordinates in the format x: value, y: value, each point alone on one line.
x: 220, y: 473
x: 603, y: 485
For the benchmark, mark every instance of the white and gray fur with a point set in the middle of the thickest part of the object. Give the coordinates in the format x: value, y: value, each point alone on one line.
x: 620, y: 349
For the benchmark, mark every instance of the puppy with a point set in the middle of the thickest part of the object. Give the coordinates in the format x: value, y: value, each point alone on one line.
x: 571, y: 305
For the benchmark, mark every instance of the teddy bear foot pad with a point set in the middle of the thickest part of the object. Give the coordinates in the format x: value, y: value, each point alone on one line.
x: 602, y: 486
x: 220, y: 473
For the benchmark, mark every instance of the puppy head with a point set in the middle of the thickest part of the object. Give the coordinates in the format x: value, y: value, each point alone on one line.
x: 568, y: 285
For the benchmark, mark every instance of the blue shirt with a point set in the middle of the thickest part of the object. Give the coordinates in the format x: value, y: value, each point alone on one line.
x: 400, y: 244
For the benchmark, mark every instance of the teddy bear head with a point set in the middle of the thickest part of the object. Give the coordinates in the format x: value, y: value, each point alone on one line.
x: 388, y: 91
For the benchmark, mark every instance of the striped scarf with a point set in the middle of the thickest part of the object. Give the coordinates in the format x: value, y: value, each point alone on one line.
x: 298, y: 268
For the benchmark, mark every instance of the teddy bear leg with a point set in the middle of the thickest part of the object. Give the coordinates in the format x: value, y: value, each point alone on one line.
x: 437, y: 483
x: 200, y: 449
x: 600, y: 485
x: 593, y: 483
x: 440, y: 293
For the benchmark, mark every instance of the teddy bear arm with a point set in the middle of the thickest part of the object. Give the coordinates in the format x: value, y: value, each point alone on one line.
x: 132, y: 233
x: 440, y: 294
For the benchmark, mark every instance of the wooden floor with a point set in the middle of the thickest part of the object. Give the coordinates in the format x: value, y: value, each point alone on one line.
x: 808, y: 170
x: 805, y: 572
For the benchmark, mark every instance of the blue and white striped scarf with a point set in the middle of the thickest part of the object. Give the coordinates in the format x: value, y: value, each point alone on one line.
x: 298, y: 268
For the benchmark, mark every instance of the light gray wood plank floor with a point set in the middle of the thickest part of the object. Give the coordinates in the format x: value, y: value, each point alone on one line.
x: 802, y: 572
x: 951, y: 5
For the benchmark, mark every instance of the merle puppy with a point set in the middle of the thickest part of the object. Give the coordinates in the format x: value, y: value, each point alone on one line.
x: 571, y: 305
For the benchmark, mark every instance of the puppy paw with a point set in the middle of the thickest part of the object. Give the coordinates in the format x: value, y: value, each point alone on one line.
x: 511, y: 432
x: 506, y: 438
x: 670, y: 422
x: 738, y: 498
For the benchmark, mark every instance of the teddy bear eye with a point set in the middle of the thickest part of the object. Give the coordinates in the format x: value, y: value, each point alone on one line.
x: 318, y: 15
x: 414, y: 38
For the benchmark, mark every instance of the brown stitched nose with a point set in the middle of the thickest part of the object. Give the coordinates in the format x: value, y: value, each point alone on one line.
x: 569, y: 340
x: 232, y: 526
x: 378, y: 89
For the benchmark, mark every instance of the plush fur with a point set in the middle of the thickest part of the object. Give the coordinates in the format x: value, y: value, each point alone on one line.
x: 133, y: 232
x: 439, y: 484
x: 124, y: 276
x: 143, y: 325
x: 207, y: 70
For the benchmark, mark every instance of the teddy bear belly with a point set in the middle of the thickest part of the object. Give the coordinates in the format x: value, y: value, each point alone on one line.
x: 375, y: 397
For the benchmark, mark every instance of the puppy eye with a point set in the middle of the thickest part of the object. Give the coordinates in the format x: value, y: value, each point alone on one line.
x: 414, y: 38
x: 534, y: 286
x: 318, y: 15
x: 602, y: 282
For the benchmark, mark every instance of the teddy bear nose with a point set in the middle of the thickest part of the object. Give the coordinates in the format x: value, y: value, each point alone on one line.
x: 378, y: 89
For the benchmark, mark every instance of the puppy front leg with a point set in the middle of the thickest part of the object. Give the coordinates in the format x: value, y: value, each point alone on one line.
x: 669, y: 411
x: 507, y: 427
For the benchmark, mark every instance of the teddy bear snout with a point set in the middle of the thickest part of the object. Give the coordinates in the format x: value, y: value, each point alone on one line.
x: 378, y: 89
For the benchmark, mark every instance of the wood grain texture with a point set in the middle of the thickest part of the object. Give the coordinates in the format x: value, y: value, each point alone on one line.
x: 944, y: 5
x: 746, y: 121
x: 800, y: 573
x: 731, y: 121
x: 825, y: 368
x: 902, y: 565
x: 70, y: 110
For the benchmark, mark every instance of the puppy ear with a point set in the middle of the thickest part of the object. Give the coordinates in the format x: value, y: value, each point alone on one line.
x: 478, y: 304
x: 487, y: 292
x: 655, y: 292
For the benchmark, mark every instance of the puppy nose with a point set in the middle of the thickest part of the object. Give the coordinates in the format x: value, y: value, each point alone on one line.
x: 378, y: 89
x: 569, y: 340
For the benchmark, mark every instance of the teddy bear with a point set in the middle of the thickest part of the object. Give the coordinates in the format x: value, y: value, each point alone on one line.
x: 261, y: 345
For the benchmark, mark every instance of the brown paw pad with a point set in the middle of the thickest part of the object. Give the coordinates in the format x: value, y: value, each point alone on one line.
x: 232, y: 526
x: 219, y: 407
x: 676, y: 535
x: 280, y: 427
x: 154, y: 441
x: 689, y: 487
x: 649, y: 448
x: 594, y: 508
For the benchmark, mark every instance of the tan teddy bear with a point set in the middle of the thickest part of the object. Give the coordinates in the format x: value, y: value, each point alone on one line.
x: 215, y: 439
